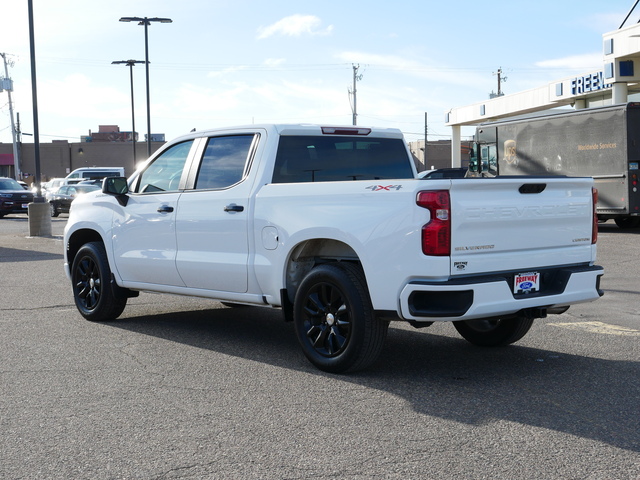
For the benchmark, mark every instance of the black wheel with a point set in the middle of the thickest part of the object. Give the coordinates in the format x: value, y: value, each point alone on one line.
x: 54, y: 211
x: 334, y: 319
x: 96, y: 297
x: 494, y: 332
x: 628, y: 222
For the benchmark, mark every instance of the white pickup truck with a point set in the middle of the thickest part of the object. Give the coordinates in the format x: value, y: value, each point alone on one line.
x: 331, y: 225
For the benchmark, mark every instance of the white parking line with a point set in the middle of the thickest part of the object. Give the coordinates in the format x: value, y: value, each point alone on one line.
x: 599, y: 327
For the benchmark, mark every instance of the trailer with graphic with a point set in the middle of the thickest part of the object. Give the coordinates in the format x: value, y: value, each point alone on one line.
x: 603, y: 143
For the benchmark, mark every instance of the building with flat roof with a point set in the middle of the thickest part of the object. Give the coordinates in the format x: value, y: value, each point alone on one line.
x: 109, y: 147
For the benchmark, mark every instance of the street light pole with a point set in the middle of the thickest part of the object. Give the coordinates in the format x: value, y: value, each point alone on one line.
x: 146, y: 22
x: 38, y: 211
x: 130, y: 64
x: 34, y: 95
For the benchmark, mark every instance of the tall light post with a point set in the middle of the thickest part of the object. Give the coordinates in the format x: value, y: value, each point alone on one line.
x: 130, y: 64
x: 146, y: 22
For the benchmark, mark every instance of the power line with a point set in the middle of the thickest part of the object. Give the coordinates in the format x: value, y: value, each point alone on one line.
x: 99, y: 63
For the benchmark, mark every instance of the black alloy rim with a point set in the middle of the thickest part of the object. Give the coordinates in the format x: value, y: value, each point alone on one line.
x: 88, y: 283
x: 327, y: 320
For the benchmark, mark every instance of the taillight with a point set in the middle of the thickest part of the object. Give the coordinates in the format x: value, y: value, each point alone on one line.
x: 594, y: 230
x: 436, y: 235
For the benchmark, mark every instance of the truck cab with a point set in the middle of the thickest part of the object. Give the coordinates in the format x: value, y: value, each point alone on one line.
x: 484, y: 154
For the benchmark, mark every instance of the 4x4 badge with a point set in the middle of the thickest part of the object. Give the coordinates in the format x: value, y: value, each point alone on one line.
x: 377, y: 188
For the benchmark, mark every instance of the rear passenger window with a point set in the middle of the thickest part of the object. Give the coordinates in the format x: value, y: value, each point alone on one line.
x: 224, y: 161
x: 337, y: 158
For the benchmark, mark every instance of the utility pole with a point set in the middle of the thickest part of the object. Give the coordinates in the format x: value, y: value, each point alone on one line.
x: 500, y: 80
x: 353, y: 92
x: 424, y: 158
x: 19, y: 136
x: 7, y: 84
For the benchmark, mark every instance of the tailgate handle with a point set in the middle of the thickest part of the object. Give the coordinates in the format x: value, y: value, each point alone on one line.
x: 532, y: 188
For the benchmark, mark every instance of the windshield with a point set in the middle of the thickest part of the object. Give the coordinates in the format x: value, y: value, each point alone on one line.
x: 9, y: 184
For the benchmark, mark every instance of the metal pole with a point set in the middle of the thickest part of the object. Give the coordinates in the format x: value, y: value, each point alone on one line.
x: 425, y: 141
x: 16, y: 154
x: 146, y: 65
x: 355, y: 108
x: 130, y: 64
x: 18, y: 137
x: 133, y: 117
x: 146, y: 22
x: 628, y: 14
x: 34, y: 93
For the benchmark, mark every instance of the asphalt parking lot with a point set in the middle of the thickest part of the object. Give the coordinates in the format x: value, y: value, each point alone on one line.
x: 183, y: 388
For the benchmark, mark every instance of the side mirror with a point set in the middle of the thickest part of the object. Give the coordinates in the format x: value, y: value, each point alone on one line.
x: 118, y: 187
x: 115, y: 186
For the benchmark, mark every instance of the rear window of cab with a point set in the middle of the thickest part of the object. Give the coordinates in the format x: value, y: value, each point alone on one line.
x: 340, y: 158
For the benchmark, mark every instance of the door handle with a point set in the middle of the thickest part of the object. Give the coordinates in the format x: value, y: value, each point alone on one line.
x: 165, y: 209
x: 234, y: 208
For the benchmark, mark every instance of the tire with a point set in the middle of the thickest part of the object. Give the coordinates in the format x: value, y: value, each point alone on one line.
x: 628, y: 222
x: 54, y: 211
x: 97, y: 297
x: 334, y: 319
x: 494, y: 332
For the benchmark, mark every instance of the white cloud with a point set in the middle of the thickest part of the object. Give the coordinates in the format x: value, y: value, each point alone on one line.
x: 274, y: 62
x: 264, y: 101
x: 88, y: 100
x: 195, y: 99
x: 295, y: 26
x: 393, y: 61
x: 607, y: 22
x: 411, y: 68
x: 585, y: 62
x: 226, y: 71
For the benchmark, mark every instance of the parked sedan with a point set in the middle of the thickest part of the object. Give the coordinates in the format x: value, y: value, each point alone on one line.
x: 13, y: 198
x: 60, y: 201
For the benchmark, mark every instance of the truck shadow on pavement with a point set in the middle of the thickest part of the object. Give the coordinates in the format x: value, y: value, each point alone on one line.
x: 439, y: 375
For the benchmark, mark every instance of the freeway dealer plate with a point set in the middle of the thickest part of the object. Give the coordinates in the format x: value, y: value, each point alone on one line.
x: 526, y: 282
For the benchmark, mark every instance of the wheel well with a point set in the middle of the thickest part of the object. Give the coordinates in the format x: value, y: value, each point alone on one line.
x: 310, y: 253
x: 78, y: 239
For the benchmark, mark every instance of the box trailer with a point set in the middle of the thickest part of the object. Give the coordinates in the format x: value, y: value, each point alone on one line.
x: 603, y: 143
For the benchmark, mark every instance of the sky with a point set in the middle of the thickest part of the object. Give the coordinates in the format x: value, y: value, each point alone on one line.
x: 222, y: 63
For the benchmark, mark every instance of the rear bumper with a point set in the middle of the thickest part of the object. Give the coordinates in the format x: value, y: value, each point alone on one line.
x: 468, y: 298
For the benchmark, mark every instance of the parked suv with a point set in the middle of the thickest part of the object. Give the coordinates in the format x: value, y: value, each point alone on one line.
x: 13, y: 197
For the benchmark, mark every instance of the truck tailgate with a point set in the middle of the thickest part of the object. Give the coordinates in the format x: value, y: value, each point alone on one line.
x: 520, y: 223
